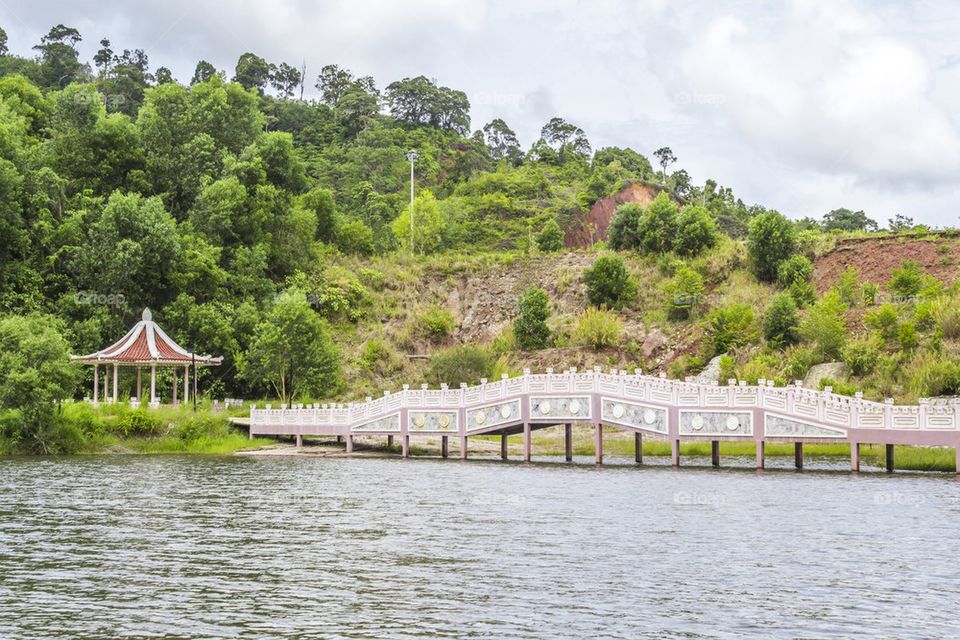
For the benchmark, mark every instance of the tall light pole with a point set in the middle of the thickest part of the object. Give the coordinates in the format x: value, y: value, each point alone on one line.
x: 412, y: 156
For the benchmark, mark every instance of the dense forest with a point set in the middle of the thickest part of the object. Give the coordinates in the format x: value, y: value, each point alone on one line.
x: 275, y: 231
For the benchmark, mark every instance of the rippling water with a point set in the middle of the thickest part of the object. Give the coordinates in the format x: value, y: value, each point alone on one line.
x: 112, y: 546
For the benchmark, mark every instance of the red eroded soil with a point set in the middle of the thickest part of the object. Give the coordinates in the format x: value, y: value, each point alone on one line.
x: 593, y: 227
x: 876, y: 258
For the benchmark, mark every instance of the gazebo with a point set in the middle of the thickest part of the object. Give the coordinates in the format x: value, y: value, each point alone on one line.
x: 144, y: 345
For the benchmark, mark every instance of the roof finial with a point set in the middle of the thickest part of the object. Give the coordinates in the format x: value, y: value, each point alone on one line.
x: 147, y: 316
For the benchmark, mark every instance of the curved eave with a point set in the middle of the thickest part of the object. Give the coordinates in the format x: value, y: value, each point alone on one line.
x: 161, y: 362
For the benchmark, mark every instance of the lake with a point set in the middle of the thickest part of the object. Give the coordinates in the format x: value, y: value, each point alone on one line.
x: 257, y: 547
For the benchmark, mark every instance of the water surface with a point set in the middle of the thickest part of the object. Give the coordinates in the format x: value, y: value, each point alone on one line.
x: 199, y: 547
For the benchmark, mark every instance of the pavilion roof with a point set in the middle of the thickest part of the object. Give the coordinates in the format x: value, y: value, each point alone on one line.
x: 147, y: 343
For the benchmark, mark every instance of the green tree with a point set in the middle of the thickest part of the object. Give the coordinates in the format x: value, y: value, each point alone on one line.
x: 252, y: 72
x: 530, y: 327
x: 550, y: 238
x: 35, y: 375
x: 657, y: 228
x: 846, y: 220
x: 623, y: 232
x: 428, y: 225
x: 292, y: 351
x: 781, y: 322
x: 771, y: 240
x: 696, y: 231
x: 608, y: 282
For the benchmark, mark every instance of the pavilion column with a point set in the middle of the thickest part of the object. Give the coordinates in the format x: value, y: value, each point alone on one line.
x: 96, y: 384
x: 153, y: 383
x: 139, y: 386
x: 116, y: 378
x: 174, y: 386
x: 186, y: 383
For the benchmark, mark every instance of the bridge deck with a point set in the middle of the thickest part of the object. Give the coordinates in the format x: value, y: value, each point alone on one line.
x: 672, y: 409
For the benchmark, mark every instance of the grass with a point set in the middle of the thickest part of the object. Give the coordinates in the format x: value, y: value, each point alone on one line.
x: 549, y: 442
x: 222, y: 445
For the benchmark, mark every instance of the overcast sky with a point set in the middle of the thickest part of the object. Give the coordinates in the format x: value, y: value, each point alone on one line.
x: 801, y: 106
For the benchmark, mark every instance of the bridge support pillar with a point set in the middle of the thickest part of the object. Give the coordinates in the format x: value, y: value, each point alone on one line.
x: 568, y: 442
x: 389, y: 441
x: 854, y: 456
x: 889, y: 458
x: 339, y: 439
x: 444, y: 450
x: 526, y: 442
x: 715, y: 452
x: 798, y: 455
x: 503, y: 446
x: 299, y: 441
x: 598, y: 444
x: 349, y: 444
x: 675, y: 452
x: 463, y: 447
x: 638, y: 447
x: 760, y: 454
x: 405, y: 446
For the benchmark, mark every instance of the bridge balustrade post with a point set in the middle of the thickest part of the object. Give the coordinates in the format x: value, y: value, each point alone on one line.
x: 526, y: 442
x: 598, y: 444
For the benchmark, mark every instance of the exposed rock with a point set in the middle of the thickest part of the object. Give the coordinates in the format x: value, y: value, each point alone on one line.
x: 832, y: 370
x: 654, y: 341
x: 710, y: 373
x: 593, y: 226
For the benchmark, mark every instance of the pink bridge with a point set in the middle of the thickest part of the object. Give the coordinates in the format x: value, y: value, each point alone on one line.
x: 667, y: 409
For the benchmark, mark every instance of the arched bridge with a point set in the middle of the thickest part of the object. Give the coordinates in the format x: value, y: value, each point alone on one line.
x: 671, y: 409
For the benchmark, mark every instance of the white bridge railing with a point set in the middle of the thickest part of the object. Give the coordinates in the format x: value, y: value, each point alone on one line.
x: 791, y: 401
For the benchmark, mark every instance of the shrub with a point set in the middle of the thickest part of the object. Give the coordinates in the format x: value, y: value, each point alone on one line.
x: 949, y: 317
x: 463, y: 363
x: 730, y: 327
x: 550, y: 237
x: 781, y: 321
x: 623, y: 232
x: 657, y: 227
x: 838, y: 386
x: 868, y: 293
x: 139, y: 423
x: 861, y: 355
x: 907, y: 336
x: 907, y: 280
x: 798, y: 362
x: 668, y: 264
x: 794, y: 269
x: 771, y: 240
x: 802, y: 293
x: 354, y: 237
x: 727, y: 369
x: 436, y: 323
x: 937, y: 378
x: 696, y: 231
x: 203, y: 425
x: 684, y: 293
x: 761, y: 366
x: 925, y: 315
x: 884, y: 320
x: 530, y: 327
x: 848, y: 287
x: 608, y: 282
x: 825, y: 326
x: 598, y: 328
